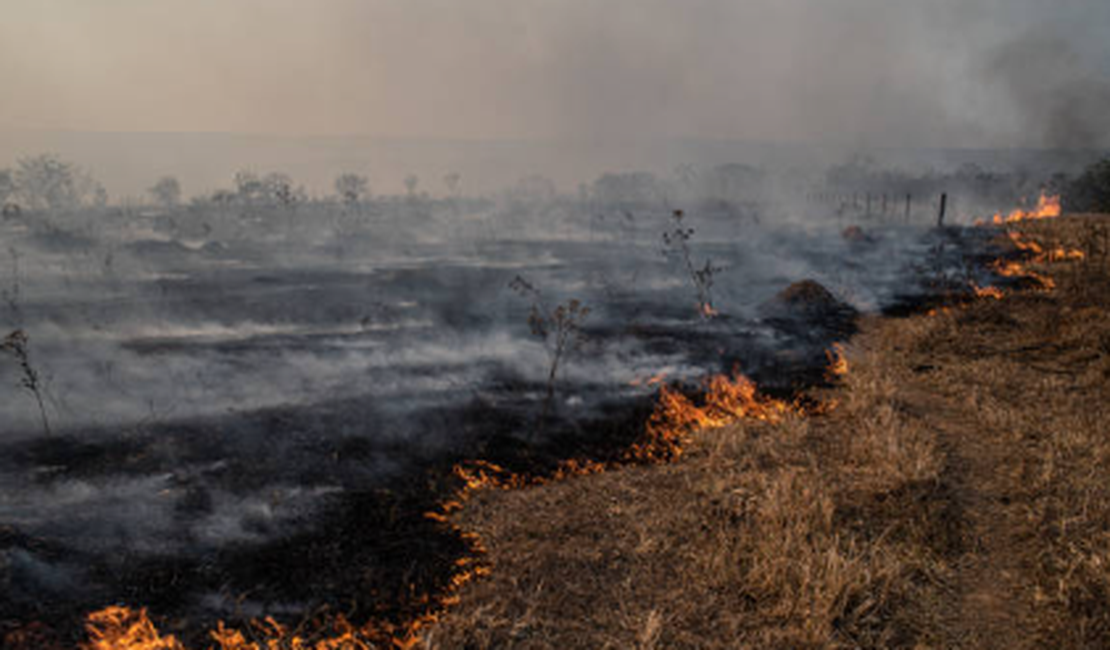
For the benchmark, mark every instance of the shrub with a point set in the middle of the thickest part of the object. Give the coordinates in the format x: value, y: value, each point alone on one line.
x: 1090, y: 192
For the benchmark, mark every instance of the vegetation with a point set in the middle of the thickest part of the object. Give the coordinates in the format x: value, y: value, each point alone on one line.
x: 677, y: 242
x: 560, y: 329
x: 352, y: 189
x: 166, y: 192
x: 46, y: 182
x: 18, y: 346
x: 956, y: 496
x: 1090, y: 192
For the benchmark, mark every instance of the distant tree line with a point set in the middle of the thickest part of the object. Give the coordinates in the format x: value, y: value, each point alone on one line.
x: 1090, y: 191
x: 46, y: 182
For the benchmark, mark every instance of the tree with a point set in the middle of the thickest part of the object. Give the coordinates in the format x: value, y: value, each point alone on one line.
x: 277, y: 188
x: 411, y: 181
x: 1091, y: 191
x: 166, y: 192
x: 352, y: 188
x: 629, y: 187
x: 452, y: 181
x: 532, y: 190
x: 48, y: 182
x: 735, y: 182
x: 7, y: 186
x: 248, y: 187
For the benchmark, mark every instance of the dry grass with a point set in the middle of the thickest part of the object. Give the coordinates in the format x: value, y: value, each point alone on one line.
x: 740, y: 544
x: 958, y: 496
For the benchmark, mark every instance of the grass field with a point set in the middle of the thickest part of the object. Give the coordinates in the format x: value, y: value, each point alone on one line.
x: 956, y: 495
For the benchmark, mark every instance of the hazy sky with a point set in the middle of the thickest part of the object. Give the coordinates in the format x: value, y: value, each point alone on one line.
x: 870, y: 72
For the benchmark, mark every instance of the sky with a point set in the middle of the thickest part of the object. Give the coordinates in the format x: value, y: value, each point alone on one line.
x: 864, y: 72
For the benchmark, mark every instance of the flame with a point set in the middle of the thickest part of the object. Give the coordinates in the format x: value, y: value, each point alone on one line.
x: 654, y: 380
x: 1048, y: 207
x: 121, y: 628
x: 1057, y: 254
x: 1037, y: 255
x: 676, y: 417
x: 1026, y: 245
x: 1061, y: 254
x: 988, y: 292
x: 838, y: 362
x: 707, y: 310
x: 1008, y: 268
x: 724, y: 401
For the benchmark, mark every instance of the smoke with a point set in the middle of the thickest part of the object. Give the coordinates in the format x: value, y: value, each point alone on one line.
x: 868, y: 72
x: 1060, y: 98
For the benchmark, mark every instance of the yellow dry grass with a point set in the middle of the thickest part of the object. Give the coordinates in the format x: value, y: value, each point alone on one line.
x: 958, y: 496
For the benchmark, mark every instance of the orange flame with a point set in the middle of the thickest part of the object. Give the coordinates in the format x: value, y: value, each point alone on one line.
x: 676, y: 417
x: 1038, y: 255
x: 1048, y: 207
x: 120, y: 628
x: 838, y: 362
x: 988, y: 292
x: 1058, y: 254
x: 654, y: 380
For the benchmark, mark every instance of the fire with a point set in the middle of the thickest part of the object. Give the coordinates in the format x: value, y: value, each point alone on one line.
x: 1021, y: 243
x: 838, y: 362
x: 988, y: 292
x: 725, y: 400
x: 1008, y: 268
x: 654, y: 380
x: 1038, y: 254
x: 1048, y: 207
x: 707, y: 311
x: 120, y: 628
x: 1012, y: 269
x: 676, y: 417
x: 1061, y: 254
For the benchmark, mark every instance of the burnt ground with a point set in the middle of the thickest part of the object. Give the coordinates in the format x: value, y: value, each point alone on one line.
x: 373, y: 554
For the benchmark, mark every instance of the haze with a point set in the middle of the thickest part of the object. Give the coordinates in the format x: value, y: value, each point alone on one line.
x: 859, y: 73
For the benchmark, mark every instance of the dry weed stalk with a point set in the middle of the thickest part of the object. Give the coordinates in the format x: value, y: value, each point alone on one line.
x: 18, y: 345
x: 677, y: 241
x: 560, y: 329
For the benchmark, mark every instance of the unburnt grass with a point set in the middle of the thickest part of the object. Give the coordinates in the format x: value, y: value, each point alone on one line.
x: 957, y: 496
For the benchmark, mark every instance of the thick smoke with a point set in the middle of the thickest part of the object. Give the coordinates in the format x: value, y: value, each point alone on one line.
x: 1063, y: 101
x: 597, y: 79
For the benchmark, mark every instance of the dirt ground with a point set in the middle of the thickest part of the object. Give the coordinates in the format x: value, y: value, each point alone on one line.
x: 955, y: 495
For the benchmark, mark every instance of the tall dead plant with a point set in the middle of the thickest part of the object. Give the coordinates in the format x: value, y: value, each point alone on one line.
x: 18, y: 345
x: 677, y: 242
x: 560, y: 329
